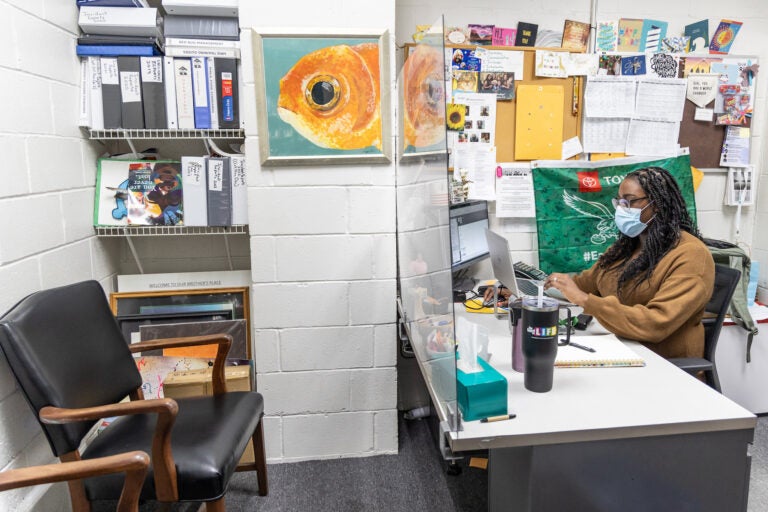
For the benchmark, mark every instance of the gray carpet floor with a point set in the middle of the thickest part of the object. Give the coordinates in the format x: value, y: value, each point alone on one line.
x: 414, y: 479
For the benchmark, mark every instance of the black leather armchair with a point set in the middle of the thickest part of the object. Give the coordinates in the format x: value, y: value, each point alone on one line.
x: 74, y: 368
x: 133, y: 464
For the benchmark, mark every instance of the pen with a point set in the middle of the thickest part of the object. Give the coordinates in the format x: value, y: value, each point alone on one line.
x: 582, y: 347
x: 503, y: 417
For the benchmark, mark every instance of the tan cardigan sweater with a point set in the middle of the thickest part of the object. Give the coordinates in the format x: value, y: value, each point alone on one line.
x: 664, y: 312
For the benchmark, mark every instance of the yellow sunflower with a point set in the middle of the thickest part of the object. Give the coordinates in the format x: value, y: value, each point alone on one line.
x: 454, y: 116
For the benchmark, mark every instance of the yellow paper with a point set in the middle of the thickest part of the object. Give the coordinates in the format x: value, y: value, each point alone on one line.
x: 539, y: 122
x: 476, y: 306
x: 697, y: 176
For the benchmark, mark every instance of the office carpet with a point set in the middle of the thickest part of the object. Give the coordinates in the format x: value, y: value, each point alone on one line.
x: 414, y: 479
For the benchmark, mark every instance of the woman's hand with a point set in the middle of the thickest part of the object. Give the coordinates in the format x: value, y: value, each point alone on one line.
x: 504, y: 294
x: 567, y: 287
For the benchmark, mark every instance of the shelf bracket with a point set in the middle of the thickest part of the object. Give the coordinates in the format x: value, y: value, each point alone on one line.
x: 229, y: 254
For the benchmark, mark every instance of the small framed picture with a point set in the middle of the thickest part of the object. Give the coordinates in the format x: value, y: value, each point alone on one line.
x: 134, y: 310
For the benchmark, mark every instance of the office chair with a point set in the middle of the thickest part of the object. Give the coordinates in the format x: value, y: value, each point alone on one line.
x: 726, y: 279
x: 133, y: 464
x: 74, y: 367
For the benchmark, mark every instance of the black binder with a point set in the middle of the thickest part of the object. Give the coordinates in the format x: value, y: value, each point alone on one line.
x: 227, y: 86
x: 153, y: 93
x: 110, y: 93
x: 130, y: 92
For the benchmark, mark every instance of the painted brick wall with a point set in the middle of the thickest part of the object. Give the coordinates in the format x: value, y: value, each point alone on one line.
x: 323, y: 268
x: 46, y: 203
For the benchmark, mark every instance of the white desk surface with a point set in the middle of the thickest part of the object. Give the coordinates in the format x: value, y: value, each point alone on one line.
x: 589, y: 404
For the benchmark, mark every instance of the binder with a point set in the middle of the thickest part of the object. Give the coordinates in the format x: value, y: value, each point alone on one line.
x: 219, y: 191
x: 202, y: 7
x: 110, y: 93
x: 153, y: 93
x: 94, y: 91
x: 202, y: 27
x: 132, y: 111
x: 116, y: 50
x: 239, y: 190
x: 101, y: 39
x: 227, y: 93
x: 202, y: 51
x: 170, y: 94
x: 212, y: 103
x: 113, y: 3
x: 84, y: 117
x: 200, y: 93
x: 185, y: 110
x: 126, y: 21
x: 194, y: 177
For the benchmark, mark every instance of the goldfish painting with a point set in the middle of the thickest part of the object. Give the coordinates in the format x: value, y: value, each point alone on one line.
x: 423, y: 97
x: 332, y: 97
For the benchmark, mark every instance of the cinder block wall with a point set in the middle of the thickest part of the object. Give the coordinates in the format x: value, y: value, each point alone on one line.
x: 323, y: 267
x: 46, y: 202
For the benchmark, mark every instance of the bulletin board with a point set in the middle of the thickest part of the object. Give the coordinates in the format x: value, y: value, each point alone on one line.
x: 705, y: 139
x: 506, y: 110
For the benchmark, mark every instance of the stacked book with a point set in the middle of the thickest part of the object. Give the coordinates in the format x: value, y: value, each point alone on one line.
x: 128, y: 83
x: 119, y: 27
x: 197, y: 191
x: 203, y: 36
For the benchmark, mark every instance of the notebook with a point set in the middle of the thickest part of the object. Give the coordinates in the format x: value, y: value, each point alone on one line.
x: 504, y: 272
x: 609, y: 352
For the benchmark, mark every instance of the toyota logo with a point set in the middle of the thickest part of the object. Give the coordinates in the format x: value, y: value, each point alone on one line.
x: 589, y: 182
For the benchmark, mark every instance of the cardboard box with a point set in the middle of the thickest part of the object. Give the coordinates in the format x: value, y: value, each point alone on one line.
x: 199, y: 383
x: 481, y: 394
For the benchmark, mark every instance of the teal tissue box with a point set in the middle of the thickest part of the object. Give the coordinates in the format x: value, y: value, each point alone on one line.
x: 481, y: 394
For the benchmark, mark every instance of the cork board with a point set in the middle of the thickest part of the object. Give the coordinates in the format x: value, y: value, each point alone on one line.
x: 507, y: 110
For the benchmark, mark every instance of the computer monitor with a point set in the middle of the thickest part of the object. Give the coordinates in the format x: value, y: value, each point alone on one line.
x: 468, y: 223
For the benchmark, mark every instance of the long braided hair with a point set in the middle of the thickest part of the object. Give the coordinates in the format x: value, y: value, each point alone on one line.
x: 663, y: 232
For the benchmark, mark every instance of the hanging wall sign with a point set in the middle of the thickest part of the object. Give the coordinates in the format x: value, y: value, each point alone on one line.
x: 702, y: 88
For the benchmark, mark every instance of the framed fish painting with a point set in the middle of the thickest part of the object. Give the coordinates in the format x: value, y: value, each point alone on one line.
x: 323, y: 97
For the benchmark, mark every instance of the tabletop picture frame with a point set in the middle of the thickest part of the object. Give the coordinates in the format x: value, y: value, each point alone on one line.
x: 323, y: 97
x: 134, y: 309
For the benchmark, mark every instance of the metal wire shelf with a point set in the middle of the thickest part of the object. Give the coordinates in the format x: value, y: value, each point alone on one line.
x: 123, y: 231
x: 122, y: 133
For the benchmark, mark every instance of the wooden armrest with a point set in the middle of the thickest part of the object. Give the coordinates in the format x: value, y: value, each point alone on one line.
x: 166, y: 408
x: 133, y: 464
x: 224, y: 341
x: 58, y: 415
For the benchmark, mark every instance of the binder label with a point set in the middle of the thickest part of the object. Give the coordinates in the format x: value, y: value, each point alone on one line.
x: 238, y: 172
x: 152, y: 69
x: 199, y: 82
x: 130, y: 86
x: 109, y: 74
x: 193, y: 173
x: 215, y: 175
x: 227, y: 102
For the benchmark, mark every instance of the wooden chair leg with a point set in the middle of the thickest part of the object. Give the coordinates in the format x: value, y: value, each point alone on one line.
x: 260, y: 458
x: 216, y: 506
x: 77, y: 495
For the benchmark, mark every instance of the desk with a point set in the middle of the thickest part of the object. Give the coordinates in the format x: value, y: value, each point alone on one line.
x: 742, y: 382
x: 611, y: 439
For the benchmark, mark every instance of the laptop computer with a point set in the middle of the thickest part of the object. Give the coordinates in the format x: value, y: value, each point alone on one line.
x: 504, y: 272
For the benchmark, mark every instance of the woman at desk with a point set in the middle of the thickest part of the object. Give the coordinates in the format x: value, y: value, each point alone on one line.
x: 653, y: 283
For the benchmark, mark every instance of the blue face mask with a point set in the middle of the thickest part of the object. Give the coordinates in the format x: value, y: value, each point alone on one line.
x: 628, y: 220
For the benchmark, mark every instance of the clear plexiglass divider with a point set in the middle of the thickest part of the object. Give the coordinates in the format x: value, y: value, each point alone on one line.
x: 423, y: 234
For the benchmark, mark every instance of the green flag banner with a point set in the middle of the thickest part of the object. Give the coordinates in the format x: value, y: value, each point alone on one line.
x: 574, y: 214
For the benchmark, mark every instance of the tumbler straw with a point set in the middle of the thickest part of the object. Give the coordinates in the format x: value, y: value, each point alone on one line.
x: 540, y: 301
